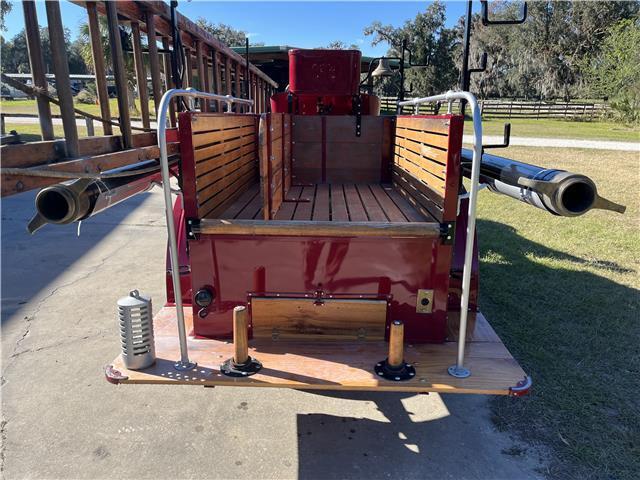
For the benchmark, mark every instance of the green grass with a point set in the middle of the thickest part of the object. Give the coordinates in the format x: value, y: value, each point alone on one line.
x: 31, y: 132
x: 563, y: 295
x: 550, y: 128
x: 29, y: 106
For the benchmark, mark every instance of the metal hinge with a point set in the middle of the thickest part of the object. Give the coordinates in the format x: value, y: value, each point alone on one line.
x: 192, y: 224
x: 447, y: 232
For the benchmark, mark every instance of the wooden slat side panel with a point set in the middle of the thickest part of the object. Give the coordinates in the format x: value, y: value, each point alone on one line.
x: 226, y: 160
x: 434, y: 125
x: 208, y: 138
x: 334, y: 319
x: 409, y: 188
x: 220, y: 192
x: 205, y: 122
x: 206, y: 155
x: 426, y: 163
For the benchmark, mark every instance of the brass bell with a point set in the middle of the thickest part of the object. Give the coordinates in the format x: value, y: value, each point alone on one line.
x: 383, y: 69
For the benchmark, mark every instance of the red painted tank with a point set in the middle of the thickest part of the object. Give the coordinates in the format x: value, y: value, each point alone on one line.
x: 324, y: 72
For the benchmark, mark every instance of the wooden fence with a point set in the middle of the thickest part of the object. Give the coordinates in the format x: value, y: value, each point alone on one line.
x: 513, y: 109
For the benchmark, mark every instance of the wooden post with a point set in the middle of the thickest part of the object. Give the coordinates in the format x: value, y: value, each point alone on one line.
x: 98, y: 68
x: 207, y: 82
x: 166, y: 43
x: 200, y: 64
x: 396, y: 344
x: 217, y: 77
x: 188, y: 67
x: 119, y: 73
x: 141, y: 74
x: 34, y: 47
x: 254, y: 87
x: 154, y: 60
x: 240, y: 336
x: 63, y: 84
x: 89, y: 122
x: 227, y: 75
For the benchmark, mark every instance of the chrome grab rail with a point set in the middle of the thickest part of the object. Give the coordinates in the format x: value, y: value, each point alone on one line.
x: 458, y: 370
x: 184, y: 363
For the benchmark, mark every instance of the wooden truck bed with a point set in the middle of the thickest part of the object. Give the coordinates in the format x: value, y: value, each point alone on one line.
x: 329, y: 365
x: 331, y: 202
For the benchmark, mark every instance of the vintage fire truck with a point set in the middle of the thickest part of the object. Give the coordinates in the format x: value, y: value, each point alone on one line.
x: 321, y: 245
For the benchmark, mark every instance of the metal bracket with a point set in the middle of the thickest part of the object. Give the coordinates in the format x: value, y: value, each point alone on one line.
x: 232, y: 369
x: 290, y: 102
x: 404, y: 372
x: 192, y: 223
x: 484, y: 13
x: 357, y: 107
x: 483, y: 64
x: 447, y: 232
x: 506, y: 139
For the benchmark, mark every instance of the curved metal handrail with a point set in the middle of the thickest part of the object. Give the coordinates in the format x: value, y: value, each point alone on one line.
x: 163, y: 109
x: 458, y: 369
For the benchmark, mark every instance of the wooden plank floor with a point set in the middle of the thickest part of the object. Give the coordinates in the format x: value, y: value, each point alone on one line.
x: 331, y: 202
x: 330, y: 365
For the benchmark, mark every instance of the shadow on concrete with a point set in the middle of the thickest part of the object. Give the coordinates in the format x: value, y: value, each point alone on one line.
x: 333, y: 447
x: 31, y: 262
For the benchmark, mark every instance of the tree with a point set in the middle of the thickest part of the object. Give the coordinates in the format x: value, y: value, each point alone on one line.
x: 615, y: 72
x: 545, y: 56
x: 83, y: 44
x: 340, y: 45
x: 225, y: 33
x: 5, y: 8
x: 429, y: 41
x: 15, y: 57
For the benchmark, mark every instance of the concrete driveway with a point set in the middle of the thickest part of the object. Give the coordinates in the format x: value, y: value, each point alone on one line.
x: 61, y: 419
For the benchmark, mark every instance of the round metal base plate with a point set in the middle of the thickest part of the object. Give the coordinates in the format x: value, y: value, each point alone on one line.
x: 232, y: 369
x: 405, y: 372
x: 458, y: 372
x: 183, y: 366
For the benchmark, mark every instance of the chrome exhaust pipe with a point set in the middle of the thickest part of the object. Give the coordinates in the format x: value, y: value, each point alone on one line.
x: 559, y: 192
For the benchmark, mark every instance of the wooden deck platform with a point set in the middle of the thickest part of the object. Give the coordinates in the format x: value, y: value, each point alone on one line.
x: 330, y: 365
x: 331, y: 202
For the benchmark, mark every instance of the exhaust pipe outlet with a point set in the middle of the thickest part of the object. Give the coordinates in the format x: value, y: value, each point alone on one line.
x: 559, y: 192
x: 61, y: 204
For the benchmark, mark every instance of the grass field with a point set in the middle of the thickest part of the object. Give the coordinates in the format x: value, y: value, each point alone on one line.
x: 549, y: 128
x: 31, y: 132
x: 29, y: 106
x: 563, y: 295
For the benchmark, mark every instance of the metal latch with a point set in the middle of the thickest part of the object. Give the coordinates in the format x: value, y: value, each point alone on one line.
x: 424, y: 303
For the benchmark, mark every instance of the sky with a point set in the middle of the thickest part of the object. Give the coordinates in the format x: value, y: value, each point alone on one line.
x: 309, y: 24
